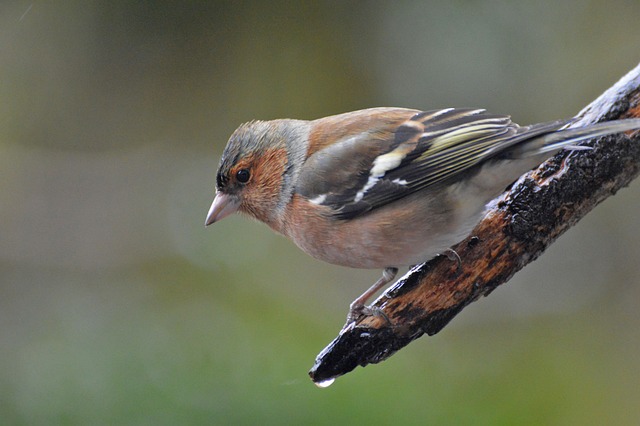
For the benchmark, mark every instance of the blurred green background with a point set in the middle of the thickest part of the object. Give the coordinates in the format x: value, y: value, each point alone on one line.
x: 118, y: 307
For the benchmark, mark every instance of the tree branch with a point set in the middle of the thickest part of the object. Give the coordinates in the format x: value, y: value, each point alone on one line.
x: 518, y: 227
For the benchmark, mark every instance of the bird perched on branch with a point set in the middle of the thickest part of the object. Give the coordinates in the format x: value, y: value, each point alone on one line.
x: 382, y: 188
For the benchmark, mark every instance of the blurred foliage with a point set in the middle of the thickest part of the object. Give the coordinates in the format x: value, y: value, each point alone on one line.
x: 117, y: 307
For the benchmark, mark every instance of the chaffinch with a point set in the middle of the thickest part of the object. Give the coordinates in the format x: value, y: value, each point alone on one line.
x: 382, y: 187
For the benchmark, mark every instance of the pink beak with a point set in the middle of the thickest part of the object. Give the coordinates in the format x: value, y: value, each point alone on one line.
x: 223, y: 205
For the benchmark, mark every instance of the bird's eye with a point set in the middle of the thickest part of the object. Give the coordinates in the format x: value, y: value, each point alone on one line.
x: 243, y: 175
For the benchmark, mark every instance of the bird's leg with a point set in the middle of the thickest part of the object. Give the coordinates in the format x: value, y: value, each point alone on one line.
x: 358, y: 307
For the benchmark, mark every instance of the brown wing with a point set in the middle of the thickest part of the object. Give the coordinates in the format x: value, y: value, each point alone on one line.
x: 374, y: 167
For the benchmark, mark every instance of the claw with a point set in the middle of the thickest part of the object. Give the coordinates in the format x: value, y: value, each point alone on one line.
x: 357, y: 309
x: 454, y: 257
x: 357, y: 312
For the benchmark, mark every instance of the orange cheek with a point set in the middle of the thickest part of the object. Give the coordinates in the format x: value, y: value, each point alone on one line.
x: 262, y: 193
x: 270, y: 167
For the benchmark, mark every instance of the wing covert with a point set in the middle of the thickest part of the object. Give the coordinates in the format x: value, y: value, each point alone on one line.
x: 370, y: 170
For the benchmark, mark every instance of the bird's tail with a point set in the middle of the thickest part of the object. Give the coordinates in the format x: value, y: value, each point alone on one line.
x: 566, y: 138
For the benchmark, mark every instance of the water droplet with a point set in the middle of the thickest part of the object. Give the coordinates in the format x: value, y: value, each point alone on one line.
x: 325, y: 383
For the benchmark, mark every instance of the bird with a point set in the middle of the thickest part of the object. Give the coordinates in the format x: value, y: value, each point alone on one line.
x: 383, y: 188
